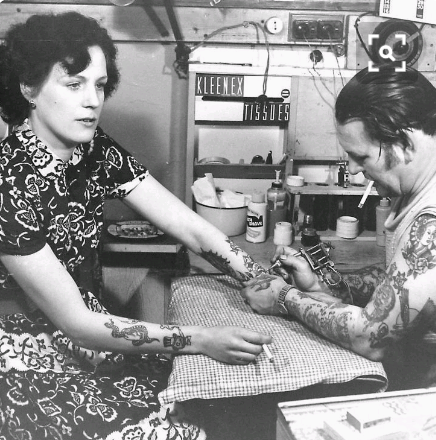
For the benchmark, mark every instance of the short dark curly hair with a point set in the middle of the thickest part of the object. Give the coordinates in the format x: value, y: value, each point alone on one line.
x: 32, y: 48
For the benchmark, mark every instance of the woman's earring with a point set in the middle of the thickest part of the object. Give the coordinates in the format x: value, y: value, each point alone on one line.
x: 32, y: 104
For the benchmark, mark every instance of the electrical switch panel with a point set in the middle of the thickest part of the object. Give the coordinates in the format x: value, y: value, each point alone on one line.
x: 304, y: 29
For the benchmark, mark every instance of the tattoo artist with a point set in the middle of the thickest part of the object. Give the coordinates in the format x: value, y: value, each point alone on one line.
x: 386, y: 123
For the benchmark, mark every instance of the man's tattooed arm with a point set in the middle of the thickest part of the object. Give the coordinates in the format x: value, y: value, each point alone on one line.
x: 248, y: 267
x: 363, y: 282
x: 332, y: 320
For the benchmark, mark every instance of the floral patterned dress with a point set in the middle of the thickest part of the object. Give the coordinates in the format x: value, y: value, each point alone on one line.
x: 50, y: 388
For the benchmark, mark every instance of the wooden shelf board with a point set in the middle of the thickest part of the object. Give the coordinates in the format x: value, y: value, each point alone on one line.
x: 330, y: 235
x: 311, y: 188
x: 239, y: 171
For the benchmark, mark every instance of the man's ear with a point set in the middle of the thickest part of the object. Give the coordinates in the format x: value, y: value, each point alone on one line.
x: 409, y: 151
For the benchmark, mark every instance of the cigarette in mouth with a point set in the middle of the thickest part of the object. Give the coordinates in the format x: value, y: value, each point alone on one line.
x: 366, y: 193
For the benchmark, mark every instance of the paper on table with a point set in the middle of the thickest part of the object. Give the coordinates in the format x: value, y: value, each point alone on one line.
x: 230, y: 199
x: 205, y: 193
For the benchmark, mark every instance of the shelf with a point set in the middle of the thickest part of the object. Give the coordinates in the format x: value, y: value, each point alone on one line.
x: 311, y: 188
x: 331, y: 236
x: 239, y: 171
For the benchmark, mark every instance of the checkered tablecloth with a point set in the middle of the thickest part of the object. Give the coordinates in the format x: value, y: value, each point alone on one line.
x: 301, y: 358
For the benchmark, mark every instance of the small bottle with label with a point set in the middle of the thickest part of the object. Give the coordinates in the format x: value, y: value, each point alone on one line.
x: 256, y: 218
x: 276, y: 197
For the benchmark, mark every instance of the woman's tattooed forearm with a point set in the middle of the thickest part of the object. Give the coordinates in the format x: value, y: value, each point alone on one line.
x: 136, y: 333
x: 224, y: 265
x: 178, y: 340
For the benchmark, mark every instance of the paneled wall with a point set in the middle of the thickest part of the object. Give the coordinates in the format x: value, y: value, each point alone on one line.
x: 148, y: 113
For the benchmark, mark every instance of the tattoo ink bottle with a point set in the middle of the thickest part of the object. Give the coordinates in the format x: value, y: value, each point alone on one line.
x: 256, y: 218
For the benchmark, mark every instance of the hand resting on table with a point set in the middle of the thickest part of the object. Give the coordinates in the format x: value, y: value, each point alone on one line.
x: 233, y: 345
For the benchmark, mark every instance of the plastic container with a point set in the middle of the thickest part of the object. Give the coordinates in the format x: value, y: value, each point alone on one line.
x: 347, y: 227
x: 283, y: 234
x: 256, y: 219
x: 276, y: 196
x: 381, y: 214
x: 231, y: 221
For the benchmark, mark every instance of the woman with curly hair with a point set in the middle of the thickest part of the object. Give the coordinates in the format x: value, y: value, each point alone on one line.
x: 68, y: 368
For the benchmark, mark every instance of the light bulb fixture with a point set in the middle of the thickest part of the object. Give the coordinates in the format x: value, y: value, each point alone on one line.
x: 121, y: 2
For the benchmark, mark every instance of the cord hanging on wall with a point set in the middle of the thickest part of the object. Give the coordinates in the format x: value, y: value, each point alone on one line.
x: 182, y: 50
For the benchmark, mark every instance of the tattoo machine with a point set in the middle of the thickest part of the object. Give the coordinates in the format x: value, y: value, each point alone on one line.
x: 318, y: 257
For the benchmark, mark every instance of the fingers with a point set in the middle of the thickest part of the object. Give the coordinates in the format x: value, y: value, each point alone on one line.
x: 258, y: 339
x: 243, y: 358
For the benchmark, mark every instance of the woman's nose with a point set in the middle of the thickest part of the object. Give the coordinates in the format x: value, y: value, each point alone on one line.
x: 92, y: 97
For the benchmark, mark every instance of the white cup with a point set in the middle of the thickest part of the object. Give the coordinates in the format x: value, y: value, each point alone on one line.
x: 294, y: 180
x: 347, y: 227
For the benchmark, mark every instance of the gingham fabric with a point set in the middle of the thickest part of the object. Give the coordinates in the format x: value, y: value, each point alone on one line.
x: 301, y: 358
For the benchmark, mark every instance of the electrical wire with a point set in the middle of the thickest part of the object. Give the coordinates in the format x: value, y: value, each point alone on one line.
x: 337, y: 60
x: 356, y: 26
x: 245, y: 24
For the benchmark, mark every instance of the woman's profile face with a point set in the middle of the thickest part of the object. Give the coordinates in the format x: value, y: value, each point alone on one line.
x: 429, y: 235
x: 68, y: 107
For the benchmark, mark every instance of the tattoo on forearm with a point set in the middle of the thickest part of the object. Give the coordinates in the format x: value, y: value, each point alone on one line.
x: 178, y: 340
x: 381, y: 305
x: 380, y: 338
x: 327, y: 319
x: 419, y: 252
x: 138, y: 333
x: 223, y: 264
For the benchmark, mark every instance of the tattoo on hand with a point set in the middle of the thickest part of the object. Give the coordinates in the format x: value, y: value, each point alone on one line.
x: 138, y: 334
x: 262, y: 282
